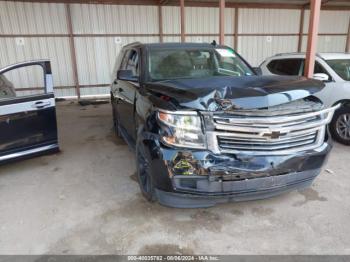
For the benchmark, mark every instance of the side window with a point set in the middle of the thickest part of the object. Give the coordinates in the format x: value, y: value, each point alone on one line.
x: 233, y: 64
x: 285, y: 66
x: 318, y: 69
x: 7, y: 90
x: 22, y: 81
x: 133, y: 62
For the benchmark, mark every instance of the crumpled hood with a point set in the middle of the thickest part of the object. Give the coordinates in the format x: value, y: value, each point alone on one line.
x: 225, y: 93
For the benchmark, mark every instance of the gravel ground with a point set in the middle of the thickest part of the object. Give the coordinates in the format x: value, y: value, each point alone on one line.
x: 85, y: 200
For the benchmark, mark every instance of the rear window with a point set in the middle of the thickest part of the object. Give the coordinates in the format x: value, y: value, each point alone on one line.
x: 285, y: 66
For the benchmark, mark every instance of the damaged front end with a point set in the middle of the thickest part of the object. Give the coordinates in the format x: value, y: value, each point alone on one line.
x: 212, y: 157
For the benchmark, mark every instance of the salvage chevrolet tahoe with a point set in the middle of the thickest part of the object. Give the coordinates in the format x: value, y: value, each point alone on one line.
x: 206, y: 129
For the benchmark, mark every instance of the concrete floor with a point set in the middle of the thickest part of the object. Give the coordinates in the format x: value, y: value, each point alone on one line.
x: 85, y: 200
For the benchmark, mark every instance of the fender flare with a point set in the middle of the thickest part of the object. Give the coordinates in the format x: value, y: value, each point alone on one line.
x: 344, y: 103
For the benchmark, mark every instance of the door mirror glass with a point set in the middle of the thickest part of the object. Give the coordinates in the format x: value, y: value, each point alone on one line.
x: 126, y: 75
x: 321, y: 76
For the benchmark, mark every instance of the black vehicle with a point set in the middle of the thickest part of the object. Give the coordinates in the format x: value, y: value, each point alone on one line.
x: 27, y: 115
x: 206, y: 129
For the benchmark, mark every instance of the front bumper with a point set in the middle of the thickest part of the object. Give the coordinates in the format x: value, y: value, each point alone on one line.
x: 243, y: 190
x: 232, y: 177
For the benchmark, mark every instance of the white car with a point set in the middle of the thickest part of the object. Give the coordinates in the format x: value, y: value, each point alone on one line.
x: 331, y: 68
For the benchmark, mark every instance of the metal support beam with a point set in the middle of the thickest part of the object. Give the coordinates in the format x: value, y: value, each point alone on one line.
x: 160, y: 22
x: 347, y: 47
x: 301, y: 28
x: 323, y: 3
x: 182, y: 19
x: 222, y: 21
x: 315, y: 10
x: 198, y: 3
x: 235, y: 44
x: 72, y: 50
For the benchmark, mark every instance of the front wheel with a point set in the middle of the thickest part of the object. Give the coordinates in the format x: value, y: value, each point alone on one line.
x: 144, y: 175
x: 340, y: 125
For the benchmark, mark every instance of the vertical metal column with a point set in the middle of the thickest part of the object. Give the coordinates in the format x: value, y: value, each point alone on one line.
x: 315, y: 10
x: 235, y: 45
x: 160, y: 22
x: 222, y: 21
x: 182, y: 17
x: 72, y: 50
x: 347, y: 47
x: 301, y: 28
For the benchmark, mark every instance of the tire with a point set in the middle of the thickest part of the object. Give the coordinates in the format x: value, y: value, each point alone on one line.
x: 340, y: 126
x: 144, y: 175
x: 115, y: 117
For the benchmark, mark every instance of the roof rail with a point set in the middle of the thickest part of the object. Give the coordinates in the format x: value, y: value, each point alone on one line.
x: 295, y: 53
x: 134, y: 43
x: 289, y: 53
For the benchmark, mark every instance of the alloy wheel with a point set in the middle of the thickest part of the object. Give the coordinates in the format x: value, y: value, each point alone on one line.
x: 144, y: 174
x: 343, y: 126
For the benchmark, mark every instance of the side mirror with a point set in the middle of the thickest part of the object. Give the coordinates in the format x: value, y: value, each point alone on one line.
x: 257, y: 71
x: 321, y: 76
x: 126, y: 75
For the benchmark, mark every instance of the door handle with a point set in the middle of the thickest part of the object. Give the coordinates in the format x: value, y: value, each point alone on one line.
x: 41, y: 104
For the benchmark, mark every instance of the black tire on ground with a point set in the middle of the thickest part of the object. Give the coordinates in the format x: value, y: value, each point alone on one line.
x: 144, y: 175
x: 340, y: 125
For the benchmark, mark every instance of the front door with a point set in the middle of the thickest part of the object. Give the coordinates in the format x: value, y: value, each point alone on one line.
x: 125, y: 92
x: 27, y: 111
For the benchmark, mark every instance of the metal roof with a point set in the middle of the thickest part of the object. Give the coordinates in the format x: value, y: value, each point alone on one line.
x: 241, y: 3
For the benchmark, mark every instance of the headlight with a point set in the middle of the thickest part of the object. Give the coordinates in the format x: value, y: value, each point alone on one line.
x: 182, y: 130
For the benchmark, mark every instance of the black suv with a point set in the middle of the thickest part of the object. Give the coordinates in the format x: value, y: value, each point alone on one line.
x: 206, y: 129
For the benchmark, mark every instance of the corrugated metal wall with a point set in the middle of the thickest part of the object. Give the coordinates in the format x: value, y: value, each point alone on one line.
x: 334, y: 22
x: 40, y: 30
x: 19, y: 19
x: 96, y: 54
x: 268, y: 23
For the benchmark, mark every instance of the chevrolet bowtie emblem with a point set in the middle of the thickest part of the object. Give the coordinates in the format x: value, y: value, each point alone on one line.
x: 273, y: 135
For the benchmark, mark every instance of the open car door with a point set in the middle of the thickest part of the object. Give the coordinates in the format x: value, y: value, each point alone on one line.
x: 28, y: 124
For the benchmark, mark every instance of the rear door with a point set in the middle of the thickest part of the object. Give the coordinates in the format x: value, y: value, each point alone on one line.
x: 27, y: 110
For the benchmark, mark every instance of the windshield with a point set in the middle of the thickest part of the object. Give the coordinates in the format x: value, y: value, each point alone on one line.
x: 341, y: 67
x: 167, y: 64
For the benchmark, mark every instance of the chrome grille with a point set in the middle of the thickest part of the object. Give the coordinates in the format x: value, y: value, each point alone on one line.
x: 271, y: 134
x: 261, y: 145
